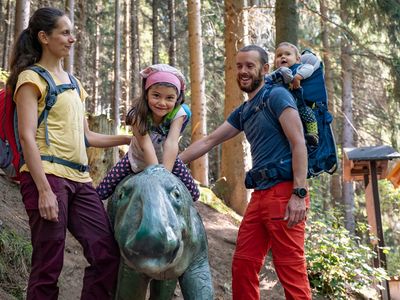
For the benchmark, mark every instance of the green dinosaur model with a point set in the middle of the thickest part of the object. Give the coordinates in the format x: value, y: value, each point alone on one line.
x: 161, y: 238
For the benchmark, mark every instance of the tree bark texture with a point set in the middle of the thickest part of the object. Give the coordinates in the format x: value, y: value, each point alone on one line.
x: 335, y: 183
x: 94, y: 107
x: 286, y: 21
x: 155, y: 32
x: 117, y: 70
x: 22, y: 8
x: 81, y: 46
x: 234, y: 155
x: 69, y: 60
x: 7, y: 37
x: 199, y: 167
x: 347, y: 99
x: 101, y: 159
x: 172, y: 33
x: 127, y: 61
x: 135, y: 50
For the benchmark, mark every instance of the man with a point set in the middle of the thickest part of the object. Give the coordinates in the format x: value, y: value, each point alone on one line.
x: 275, y: 217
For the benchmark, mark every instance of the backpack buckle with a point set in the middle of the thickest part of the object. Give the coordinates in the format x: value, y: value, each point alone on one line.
x: 83, y: 168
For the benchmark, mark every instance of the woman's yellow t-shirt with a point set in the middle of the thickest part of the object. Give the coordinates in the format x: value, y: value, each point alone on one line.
x: 65, y: 125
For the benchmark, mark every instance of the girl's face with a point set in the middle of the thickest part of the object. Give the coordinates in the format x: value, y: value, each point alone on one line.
x: 285, y: 56
x: 60, y: 41
x: 161, y: 100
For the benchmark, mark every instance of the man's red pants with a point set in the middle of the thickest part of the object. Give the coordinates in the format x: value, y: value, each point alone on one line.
x: 263, y: 229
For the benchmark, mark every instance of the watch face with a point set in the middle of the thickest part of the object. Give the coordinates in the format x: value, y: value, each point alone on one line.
x: 300, y: 192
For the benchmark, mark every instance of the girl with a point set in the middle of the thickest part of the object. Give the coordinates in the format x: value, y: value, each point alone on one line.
x: 56, y: 196
x: 158, y: 117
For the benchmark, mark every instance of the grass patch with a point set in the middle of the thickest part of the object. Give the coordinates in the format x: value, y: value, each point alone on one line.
x: 15, y: 255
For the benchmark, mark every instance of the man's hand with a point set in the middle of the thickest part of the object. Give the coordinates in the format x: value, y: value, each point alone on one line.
x: 296, y: 210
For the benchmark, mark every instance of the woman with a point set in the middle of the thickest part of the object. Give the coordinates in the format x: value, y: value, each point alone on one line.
x: 56, y: 196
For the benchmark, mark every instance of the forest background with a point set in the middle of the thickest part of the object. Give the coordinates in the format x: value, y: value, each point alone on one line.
x: 358, y: 41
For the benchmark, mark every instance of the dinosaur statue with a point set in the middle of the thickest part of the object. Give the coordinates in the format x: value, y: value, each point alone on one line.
x: 161, y: 237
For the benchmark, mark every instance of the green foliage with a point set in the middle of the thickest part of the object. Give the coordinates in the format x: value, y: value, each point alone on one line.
x: 15, y: 253
x: 390, y: 210
x: 339, y: 265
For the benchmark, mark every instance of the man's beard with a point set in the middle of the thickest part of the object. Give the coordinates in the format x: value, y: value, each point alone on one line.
x: 255, y: 83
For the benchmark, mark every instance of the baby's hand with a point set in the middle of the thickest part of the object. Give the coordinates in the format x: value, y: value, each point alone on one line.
x: 296, y: 82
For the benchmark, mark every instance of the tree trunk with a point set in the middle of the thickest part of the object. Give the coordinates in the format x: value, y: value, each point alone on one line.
x: 347, y: 98
x: 394, y: 105
x: 22, y: 8
x: 69, y: 60
x: 127, y: 61
x: 199, y: 127
x: 235, y: 157
x: 117, y: 59
x: 2, y: 25
x: 101, y: 159
x: 155, y: 32
x: 254, y: 3
x: 94, y: 108
x: 335, y: 186
x: 172, y: 33
x: 7, y: 37
x: 135, y: 50
x: 286, y: 21
x: 80, y: 65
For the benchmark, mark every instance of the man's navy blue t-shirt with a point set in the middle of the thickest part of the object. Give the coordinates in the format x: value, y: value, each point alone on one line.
x: 268, y: 143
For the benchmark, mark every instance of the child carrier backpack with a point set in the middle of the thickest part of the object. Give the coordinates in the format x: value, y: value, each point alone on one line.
x: 313, y: 93
x: 11, y: 158
x: 322, y: 158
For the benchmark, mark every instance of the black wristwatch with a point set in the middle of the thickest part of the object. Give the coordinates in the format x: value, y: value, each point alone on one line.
x: 300, y: 192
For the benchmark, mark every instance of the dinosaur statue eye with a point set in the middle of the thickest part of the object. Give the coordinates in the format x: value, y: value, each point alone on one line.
x: 176, y: 193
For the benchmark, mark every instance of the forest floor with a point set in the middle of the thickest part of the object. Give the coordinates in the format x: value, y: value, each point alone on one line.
x: 221, y: 230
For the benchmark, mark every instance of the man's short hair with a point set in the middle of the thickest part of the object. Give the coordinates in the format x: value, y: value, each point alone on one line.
x: 261, y: 51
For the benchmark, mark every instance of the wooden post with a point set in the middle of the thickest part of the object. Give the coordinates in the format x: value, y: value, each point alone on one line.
x: 378, y: 219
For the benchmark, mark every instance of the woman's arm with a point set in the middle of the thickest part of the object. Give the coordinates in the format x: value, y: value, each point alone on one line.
x: 171, y: 146
x: 144, y: 141
x: 103, y: 140
x: 26, y: 100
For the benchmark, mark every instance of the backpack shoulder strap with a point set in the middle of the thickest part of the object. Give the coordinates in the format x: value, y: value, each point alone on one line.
x: 53, y: 91
x: 50, y: 99
x: 74, y: 84
x: 188, y: 116
x: 256, y: 108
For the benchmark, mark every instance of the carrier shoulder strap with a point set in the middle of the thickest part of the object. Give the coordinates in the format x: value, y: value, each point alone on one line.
x: 256, y: 108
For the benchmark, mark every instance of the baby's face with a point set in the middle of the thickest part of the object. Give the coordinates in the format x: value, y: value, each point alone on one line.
x: 286, y: 56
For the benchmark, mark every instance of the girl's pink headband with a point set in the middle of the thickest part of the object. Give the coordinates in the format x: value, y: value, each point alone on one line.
x: 162, y: 76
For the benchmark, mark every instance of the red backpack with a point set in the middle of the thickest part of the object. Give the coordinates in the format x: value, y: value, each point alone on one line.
x: 9, y: 146
x: 11, y: 158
